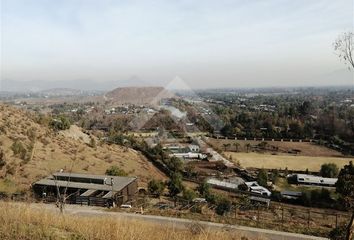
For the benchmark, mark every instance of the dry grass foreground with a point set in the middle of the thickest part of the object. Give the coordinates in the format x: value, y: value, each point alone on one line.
x: 53, y: 151
x: 300, y: 163
x: 22, y: 222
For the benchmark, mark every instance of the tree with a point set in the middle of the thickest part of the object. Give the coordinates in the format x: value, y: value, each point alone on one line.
x: 223, y: 206
x: 116, y: 171
x: 236, y: 145
x: 345, y: 187
x: 248, y: 147
x: 204, y: 189
x: 262, y: 178
x: 60, y: 123
x: 329, y: 170
x: 226, y: 146
x: 175, y: 185
x: 189, y: 194
x: 156, y: 187
x: 343, y: 46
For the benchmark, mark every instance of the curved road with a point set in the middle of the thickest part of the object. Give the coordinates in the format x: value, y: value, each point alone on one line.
x: 253, y: 233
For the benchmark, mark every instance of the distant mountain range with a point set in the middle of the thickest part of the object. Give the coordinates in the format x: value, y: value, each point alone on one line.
x: 7, y: 85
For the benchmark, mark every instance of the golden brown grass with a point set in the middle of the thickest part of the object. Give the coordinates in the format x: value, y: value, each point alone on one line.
x: 268, y: 161
x: 20, y: 221
x: 307, y: 148
x: 53, y: 152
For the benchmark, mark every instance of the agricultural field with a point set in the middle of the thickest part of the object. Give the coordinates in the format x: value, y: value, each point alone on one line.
x: 283, y: 148
x: 269, y: 161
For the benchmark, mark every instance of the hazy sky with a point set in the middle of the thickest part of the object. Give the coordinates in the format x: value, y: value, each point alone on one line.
x: 206, y: 43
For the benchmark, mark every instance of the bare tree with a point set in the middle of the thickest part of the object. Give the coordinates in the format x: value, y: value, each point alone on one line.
x: 344, y: 49
x: 343, y: 46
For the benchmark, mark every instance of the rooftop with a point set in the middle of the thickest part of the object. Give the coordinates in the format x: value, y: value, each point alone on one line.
x: 72, y: 180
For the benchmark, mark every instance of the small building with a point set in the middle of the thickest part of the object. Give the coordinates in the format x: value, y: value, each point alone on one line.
x: 99, y: 190
x: 291, y: 195
x: 260, y: 201
x: 226, y: 184
x: 307, y: 179
x: 254, y: 187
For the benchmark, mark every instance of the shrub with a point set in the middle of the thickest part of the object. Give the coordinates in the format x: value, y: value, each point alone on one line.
x: 156, y: 187
x: 338, y: 233
x: 189, y: 194
x: 329, y: 170
x: 18, y: 149
x: 116, y: 171
x: 262, y: 178
x: 223, y: 206
x: 2, y: 159
x: 175, y: 185
x: 60, y: 123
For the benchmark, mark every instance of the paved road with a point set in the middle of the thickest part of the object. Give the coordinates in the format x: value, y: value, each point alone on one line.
x: 253, y: 233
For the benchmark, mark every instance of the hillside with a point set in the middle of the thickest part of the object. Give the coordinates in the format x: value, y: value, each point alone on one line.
x: 41, y: 151
x: 138, y: 95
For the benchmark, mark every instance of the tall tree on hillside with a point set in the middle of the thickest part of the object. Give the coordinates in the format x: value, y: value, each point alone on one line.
x: 345, y: 187
x: 343, y: 46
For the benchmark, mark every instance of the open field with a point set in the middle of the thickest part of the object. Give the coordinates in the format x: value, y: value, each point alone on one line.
x: 268, y: 161
x: 306, y: 148
x: 20, y: 221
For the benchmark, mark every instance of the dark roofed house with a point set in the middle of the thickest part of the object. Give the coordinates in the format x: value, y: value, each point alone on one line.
x: 101, y: 190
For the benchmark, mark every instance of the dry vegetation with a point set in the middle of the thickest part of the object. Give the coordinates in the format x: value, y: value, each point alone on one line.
x: 311, y: 156
x: 23, y: 222
x: 306, y: 148
x: 40, y: 151
x: 268, y: 161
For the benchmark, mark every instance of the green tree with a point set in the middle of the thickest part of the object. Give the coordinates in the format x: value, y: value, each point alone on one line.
x: 262, y: 177
x: 236, y: 145
x: 116, y: 171
x: 175, y: 185
x: 60, y: 123
x: 223, y: 206
x: 329, y: 170
x: 345, y: 187
x: 204, y: 189
x: 156, y: 187
x: 189, y: 194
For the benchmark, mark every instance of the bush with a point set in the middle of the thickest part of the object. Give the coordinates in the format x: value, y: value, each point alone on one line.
x: 116, y: 171
x: 204, y: 189
x: 262, y: 178
x: 60, y: 123
x: 175, y: 185
x: 338, y: 233
x: 329, y: 170
x: 189, y: 194
x: 2, y: 159
x: 223, y: 206
x: 156, y: 187
x: 19, y: 150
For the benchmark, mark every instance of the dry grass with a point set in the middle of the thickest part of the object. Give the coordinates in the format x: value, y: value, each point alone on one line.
x: 307, y: 148
x: 23, y: 222
x: 268, y: 161
x: 53, y: 152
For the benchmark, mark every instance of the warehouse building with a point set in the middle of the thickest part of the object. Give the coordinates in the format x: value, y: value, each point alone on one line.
x: 87, y: 189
